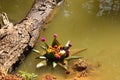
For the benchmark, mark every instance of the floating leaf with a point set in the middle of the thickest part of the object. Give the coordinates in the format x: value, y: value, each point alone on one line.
x: 41, y: 64
x: 35, y: 50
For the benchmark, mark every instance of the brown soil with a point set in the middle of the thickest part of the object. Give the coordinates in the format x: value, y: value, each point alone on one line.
x: 4, y: 76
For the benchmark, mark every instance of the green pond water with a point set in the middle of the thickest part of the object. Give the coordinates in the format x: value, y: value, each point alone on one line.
x: 16, y: 9
x: 86, y: 25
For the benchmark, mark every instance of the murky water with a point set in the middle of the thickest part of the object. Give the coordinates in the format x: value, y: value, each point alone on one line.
x: 78, y: 21
x: 85, y: 29
x: 16, y: 9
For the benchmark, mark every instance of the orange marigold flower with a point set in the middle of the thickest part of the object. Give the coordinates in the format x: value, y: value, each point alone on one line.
x: 50, y: 49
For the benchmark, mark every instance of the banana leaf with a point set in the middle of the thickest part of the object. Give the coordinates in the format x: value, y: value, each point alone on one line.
x: 54, y: 64
x: 44, y: 48
x: 41, y: 64
x: 73, y: 57
x: 41, y: 57
x: 55, y: 42
x: 67, y: 44
x: 64, y: 66
x: 37, y: 51
x: 46, y: 45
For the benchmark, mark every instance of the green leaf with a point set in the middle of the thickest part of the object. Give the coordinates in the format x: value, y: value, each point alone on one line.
x: 50, y: 56
x: 54, y: 64
x: 28, y: 76
x: 23, y: 74
x: 37, y: 51
x: 55, y: 42
x: 41, y: 64
x: 34, y: 75
x: 73, y: 57
x: 46, y: 45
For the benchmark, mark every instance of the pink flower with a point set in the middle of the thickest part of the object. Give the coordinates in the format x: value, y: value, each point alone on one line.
x: 55, y: 35
x: 58, y: 57
x: 43, y: 39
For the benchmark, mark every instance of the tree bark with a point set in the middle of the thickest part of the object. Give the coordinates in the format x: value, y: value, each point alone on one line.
x: 16, y: 39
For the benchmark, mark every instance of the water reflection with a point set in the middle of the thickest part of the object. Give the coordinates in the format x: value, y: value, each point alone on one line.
x: 66, y: 13
x: 105, y: 7
x: 88, y: 5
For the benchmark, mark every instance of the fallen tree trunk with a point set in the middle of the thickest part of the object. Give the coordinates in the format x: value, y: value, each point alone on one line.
x: 16, y: 39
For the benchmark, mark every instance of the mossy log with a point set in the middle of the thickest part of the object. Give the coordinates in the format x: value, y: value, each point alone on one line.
x: 16, y: 39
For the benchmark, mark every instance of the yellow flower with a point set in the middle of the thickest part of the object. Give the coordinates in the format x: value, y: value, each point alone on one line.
x: 50, y: 49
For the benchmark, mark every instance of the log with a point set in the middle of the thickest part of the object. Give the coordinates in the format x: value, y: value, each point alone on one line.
x: 16, y: 39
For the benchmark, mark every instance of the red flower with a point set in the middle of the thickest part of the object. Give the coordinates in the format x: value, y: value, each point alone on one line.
x: 67, y: 53
x: 69, y: 44
x: 67, y: 72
